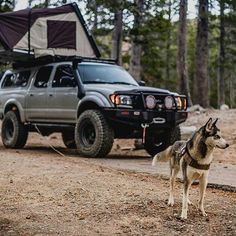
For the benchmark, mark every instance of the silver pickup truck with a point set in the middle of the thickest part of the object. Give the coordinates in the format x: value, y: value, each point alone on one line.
x: 90, y: 103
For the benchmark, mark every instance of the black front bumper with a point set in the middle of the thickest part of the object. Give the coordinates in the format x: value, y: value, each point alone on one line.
x: 166, y: 118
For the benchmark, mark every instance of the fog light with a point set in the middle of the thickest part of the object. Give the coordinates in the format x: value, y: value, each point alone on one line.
x: 150, y: 102
x: 169, y: 102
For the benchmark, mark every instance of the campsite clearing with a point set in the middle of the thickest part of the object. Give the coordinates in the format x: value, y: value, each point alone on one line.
x: 43, y: 193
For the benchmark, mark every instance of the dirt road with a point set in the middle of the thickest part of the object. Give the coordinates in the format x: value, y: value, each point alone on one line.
x: 43, y: 193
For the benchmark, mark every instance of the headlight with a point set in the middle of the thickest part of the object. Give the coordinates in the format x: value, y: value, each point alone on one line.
x: 178, y: 103
x: 121, y: 100
x: 169, y: 102
x: 181, y: 103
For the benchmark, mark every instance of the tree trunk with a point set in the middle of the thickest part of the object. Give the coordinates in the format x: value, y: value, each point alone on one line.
x: 182, y: 52
x: 47, y: 3
x: 136, y: 47
x: 94, y: 6
x: 117, y: 36
x: 201, y: 74
x: 168, y: 43
x: 221, y: 80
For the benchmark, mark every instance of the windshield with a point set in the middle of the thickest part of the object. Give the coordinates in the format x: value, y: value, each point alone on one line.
x: 105, y: 74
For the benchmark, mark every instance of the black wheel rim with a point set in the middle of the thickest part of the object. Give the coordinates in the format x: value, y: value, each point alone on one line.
x: 9, y: 130
x: 156, y: 142
x: 155, y: 139
x: 88, y: 133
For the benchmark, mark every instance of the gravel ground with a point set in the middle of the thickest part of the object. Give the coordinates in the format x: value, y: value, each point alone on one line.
x: 43, y: 193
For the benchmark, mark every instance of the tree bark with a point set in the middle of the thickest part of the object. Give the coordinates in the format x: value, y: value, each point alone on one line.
x: 168, y: 44
x: 116, y: 52
x: 201, y: 74
x: 182, y: 71
x: 46, y: 3
x: 136, y: 46
x: 221, y: 80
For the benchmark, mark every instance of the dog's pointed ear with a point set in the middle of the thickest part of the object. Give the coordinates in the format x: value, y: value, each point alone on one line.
x: 208, y: 125
x: 214, y: 123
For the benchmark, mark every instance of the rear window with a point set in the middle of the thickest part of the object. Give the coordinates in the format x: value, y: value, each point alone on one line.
x: 19, y: 79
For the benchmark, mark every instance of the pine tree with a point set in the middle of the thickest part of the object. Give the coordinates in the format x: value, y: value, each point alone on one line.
x: 182, y: 69
x: 117, y: 36
x: 201, y: 93
x: 136, y: 37
x: 221, y: 79
x: 7, y: 5
x: 46, y: 3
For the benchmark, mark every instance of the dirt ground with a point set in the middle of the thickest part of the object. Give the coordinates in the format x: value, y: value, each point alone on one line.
x: 44, y: 193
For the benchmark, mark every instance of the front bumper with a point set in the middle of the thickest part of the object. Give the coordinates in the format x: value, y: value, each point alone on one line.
x: 135, y: 118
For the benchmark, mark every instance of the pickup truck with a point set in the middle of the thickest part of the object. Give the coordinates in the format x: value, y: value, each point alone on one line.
x: 90, y: 102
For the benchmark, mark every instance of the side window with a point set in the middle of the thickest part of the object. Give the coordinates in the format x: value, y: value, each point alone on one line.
x: 43, y: 76
x: 19, y: 79
x: 8, y: 81
x: 22, y: 78
x: 63, y: 77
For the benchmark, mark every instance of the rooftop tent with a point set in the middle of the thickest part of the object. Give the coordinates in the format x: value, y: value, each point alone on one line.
x: 32, y: 33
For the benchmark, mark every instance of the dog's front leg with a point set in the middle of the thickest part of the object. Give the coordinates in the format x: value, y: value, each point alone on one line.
x: 203, y: 185
x: 173, y: 173
x: 187, y: 185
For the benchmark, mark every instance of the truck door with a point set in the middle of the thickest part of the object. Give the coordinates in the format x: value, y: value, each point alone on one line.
x: 36, y: 98
x: 62, y: 95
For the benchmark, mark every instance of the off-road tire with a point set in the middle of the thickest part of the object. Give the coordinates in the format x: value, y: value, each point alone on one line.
x: 68, y: 138
x: 14, y: 133
x: 157, y: 142
x: 93, y: 135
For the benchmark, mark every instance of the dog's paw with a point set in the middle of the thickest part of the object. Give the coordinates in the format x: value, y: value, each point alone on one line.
x: 170, y: 202
x: 203, y: 212
x: 183, y: 216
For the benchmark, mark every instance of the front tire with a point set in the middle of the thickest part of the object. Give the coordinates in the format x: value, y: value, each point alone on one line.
x: 157, y: 142
x: 14, y: 132
x: 93, y: 135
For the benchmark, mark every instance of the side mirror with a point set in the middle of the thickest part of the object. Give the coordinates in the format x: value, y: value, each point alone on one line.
x: 141, y: 83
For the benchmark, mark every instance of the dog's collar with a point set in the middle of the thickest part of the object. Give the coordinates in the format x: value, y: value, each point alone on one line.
x: 193, y: 163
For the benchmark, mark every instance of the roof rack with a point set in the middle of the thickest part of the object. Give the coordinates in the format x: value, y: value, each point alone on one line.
x: 50, y: 59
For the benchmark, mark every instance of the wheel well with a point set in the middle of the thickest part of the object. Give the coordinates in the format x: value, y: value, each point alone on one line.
x: 11, y: 107
x: 87, y: 106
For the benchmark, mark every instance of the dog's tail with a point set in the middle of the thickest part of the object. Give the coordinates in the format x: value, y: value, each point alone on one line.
x: 155, y: 160
x: 161, y: 156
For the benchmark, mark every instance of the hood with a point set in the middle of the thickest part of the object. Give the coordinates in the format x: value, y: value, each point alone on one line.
x: 108, y: 89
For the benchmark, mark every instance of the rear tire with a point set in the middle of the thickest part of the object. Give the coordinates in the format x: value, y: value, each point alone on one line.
x: 68, y: 138
x: 93, y: 135
x: 14, y: 132
x: 155, y: 143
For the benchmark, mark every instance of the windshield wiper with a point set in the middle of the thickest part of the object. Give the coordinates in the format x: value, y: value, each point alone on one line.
x: 123, y: 83
x: 104, y: 82
x: 95, y: 82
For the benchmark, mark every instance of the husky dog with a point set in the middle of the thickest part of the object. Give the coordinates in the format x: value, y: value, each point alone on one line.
x: 194, y: 157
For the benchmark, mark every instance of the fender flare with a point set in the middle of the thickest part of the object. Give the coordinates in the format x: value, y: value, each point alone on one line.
x: 12, y: 103
x: 97, y: 99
